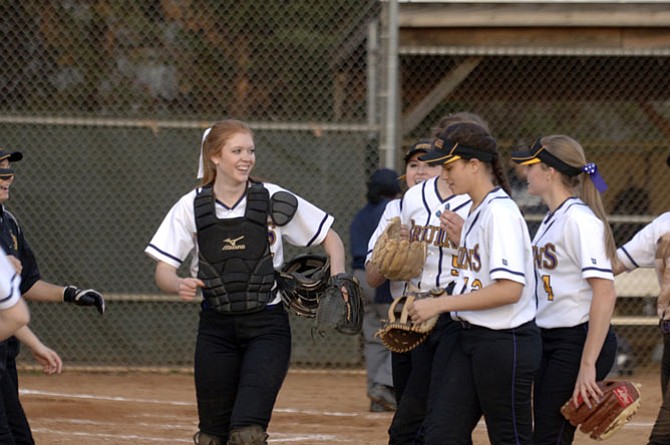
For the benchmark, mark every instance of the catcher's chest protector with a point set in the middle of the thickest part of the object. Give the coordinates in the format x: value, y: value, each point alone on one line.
x: 237, y: 250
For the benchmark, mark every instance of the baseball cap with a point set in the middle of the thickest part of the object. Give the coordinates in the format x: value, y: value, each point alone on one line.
x: 421, y: 146
x: 445, y: 151
x: 11, y: 156
x: 538, y: 153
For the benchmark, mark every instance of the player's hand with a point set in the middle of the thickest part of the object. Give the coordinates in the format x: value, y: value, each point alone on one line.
x: 423, y: 310
x: 48, y: 358
x: 86, y: 297
x: 586, y: 387
x: 188, y: 288
x: 452, y: 223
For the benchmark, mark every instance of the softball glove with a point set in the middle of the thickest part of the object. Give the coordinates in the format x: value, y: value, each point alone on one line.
x: 398, y: 259
x: 399, y: 333
x: 620, y: 401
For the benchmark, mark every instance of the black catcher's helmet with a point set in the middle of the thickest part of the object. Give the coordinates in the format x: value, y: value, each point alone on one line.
x: 301, y: 282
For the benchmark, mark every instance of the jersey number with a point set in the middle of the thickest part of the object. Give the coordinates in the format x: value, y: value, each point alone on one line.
x: 546, y: 279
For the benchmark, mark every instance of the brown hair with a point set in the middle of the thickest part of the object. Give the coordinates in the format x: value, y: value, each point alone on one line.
x: 219, y: 134
x: 571, y: 152
x: 459, y: 116
x: 474, y: 135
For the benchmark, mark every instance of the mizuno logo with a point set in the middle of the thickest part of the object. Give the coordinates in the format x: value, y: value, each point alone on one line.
x: 231, y: 244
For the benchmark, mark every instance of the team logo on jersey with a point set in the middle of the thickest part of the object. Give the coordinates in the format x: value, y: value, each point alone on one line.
x: 431, y: 235
x: 594, y: 261
x: 231, y: 244
x: 545, y: 256
x: 469, y: 258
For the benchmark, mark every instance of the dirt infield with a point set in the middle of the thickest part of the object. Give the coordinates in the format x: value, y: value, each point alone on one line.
x: 314, y: 408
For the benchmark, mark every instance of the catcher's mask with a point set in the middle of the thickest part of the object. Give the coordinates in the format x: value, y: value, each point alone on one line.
x: 301, y: 282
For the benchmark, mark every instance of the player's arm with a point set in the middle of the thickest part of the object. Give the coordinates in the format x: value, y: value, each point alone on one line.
x: 169, y: 282
x: 373, y: 277
x: 13, y: 319
x: 617, y: 266
x: 43, y: 291
x: 334, y: 247
x: 47, y: 357
x: 499, y: 293
x: 600, y: 317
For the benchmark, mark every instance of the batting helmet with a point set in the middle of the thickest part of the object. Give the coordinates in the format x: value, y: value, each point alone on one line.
x: 301, y: 282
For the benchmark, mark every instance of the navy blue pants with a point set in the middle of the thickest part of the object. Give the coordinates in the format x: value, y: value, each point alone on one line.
x: 561, y: 355
x: 490, y: 373
x: 406, y: 425
x: 14, y: 427
x: 241, y: 362
x: 660, y: 433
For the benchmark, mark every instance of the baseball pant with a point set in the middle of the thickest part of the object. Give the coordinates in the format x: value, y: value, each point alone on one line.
x: 241, y: 362
x: 377, y: 356
x: 14, y: 427
x: 561, y: 355
x: 490, y: 373
x: 401, y: 367
x: 660, y: 433
x: 427, y: 358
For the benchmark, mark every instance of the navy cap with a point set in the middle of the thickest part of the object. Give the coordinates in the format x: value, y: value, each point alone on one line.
x: 11, y: 156
x: 421, y: 146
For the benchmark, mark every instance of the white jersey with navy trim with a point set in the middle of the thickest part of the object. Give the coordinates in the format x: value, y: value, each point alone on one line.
x: 421, y: 209
x: 495, y: 245
x: 177, y: 235
x: 9, y: 283
x: 568, y: 248
x: 640, y: 251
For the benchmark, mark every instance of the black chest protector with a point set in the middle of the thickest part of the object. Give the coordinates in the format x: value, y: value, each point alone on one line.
x: 235, y: 261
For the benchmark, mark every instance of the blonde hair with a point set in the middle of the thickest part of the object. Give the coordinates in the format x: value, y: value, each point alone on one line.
x: 571, y: 152
x: 218, y: 136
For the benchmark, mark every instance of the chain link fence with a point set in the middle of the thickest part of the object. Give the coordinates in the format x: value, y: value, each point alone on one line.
x: 108, y: 101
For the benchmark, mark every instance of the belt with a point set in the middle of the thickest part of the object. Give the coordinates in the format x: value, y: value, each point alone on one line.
x: 665, y: 326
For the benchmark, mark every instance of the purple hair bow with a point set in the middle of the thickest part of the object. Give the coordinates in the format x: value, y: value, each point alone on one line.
x: 591, y: 169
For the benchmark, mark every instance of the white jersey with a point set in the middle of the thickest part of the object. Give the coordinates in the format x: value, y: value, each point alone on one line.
x: 640, y: 251
x: 568, y: 248
x: 495, y: 245
x: 9, y: 283
x: 177, y: 235
x: 421, y: 209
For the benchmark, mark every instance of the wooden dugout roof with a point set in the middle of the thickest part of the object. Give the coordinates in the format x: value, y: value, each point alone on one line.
x: 601, y: 32
x: 548, y: 27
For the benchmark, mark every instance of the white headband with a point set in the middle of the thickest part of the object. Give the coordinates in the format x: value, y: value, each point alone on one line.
x: 201, y: 164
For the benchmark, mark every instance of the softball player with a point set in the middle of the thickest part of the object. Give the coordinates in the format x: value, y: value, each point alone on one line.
x: 496, y: 352
x: 573, y: 251
x: 14, y: 426
x: 640, y: 252
x: 244, y: 340
x: 420, y: 210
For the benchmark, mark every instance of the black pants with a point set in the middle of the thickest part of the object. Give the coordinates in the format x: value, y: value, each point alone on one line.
x: 660, y: 433
x: 406, y: 425
x: 490, y: 373
x: 561, y: 355
x: 401, y: 367
x: 14, y: 427
x: 240, y: 365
